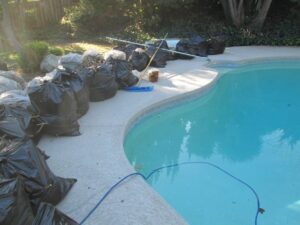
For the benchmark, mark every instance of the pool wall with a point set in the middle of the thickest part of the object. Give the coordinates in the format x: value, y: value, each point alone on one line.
x: 97, y: 158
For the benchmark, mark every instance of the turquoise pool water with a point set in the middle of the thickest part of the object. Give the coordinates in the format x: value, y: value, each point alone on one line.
x: 248, y: 124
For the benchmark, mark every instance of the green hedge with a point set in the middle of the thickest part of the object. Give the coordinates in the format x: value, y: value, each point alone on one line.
x: 32, y: 54
x: 141, y: 20
x: 56, y: 50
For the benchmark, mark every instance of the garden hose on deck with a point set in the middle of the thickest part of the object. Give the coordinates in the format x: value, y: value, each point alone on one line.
x: 258, y: 207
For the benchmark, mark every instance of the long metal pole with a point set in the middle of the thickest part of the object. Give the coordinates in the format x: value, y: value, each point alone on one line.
x: 163, y: 49
x: 151, y: 59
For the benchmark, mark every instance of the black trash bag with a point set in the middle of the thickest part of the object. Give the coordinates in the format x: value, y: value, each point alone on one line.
x: 13, y: 76
x: 25, y: 159
x: 128, y: 49
x: 18, y: 119
x: 139, y: 59
x: 56, y: 105
x: 15, y: 207
x: 195, y: 46
x: 103, y: 84
x: 122, y: 71
x: 161, y: 57
x: 71, y: 61
x: 216, y: 46
x: 78, y: 85
x: 86, y: 74
x: 91, y: 58
x: 49, y: 215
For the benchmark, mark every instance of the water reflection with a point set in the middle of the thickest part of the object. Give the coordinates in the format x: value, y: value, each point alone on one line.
x: 295, y: 206
x: 247, y: 124
x: 229, y: 121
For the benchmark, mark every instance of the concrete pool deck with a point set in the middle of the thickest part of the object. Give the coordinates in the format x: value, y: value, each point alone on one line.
x: 97, y: 158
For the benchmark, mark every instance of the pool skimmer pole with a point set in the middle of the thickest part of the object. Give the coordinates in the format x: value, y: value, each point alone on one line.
x: 163, y: 49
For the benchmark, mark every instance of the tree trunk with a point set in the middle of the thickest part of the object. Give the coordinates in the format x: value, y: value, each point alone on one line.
x: 261, y: 15
x: 7, y: 27
x: 234, y: 12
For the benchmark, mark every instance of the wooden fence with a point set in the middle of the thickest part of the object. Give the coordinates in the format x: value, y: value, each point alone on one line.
x: 35, y: 14
x: 40, y: 12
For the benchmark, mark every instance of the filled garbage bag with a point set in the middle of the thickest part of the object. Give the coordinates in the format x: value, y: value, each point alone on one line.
x: 127, y: 49
x: 161, y: 57
x: 103, y: 84
x: 91, y: 58
x: 216, y: 46
x: 77, y: 84
x: 195, y: 46
x: 15, y: 207
x: 7, y: 84
x: 115, y: 55
x: 47, y: 214
x: 122, y: 71
x: 139, y: 59
x: 14, y: 76
x: 22, y: 157
x: 18, y: 119
x: 56, y: 104
x: 49, y: 63
x: 71, y: 61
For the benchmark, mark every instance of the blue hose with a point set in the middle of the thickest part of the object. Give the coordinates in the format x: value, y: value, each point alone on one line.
x: 139, y: 89
x: 258, y: 209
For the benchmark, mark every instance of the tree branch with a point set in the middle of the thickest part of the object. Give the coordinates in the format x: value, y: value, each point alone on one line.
x: 261, y: 15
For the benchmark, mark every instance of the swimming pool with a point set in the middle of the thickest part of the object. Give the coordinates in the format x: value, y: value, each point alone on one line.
x: 248, y: 124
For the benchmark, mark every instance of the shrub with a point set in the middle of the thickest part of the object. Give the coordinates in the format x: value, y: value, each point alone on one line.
x: 97, y: 15
x: 32, y: 54
x: 56, y: 50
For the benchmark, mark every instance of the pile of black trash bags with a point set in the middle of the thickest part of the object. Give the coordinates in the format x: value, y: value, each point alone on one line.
x: 139, y: 56
x: 51, y: 105
x: 29, y: 190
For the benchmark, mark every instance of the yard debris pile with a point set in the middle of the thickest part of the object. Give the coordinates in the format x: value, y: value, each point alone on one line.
x: 46, y: 104
x: 102, y: 83
x: 51, y: 104
x: 216, y: 46
x: 195, y: 46
x: 161, y: 57
x: 139, y: 59
x: 26, y: 182
x: 49, y: 63
x: 14, y: 203
x: 78, y: 85
x: 137, y: 54
x: 40, y: 184
x: 122, y: 71
x: 71, y: 61
x: 91, y: 58
x: 128, y: 49
x: 115, y: 55
x: 18, y: 118
x: 56, y: 104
